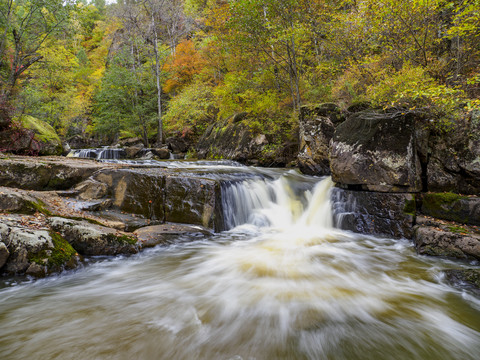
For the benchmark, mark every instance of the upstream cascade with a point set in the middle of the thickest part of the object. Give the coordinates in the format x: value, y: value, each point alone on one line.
x: 281, y: 283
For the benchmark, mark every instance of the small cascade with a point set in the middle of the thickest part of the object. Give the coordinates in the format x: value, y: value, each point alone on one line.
x: 105, y: 153
x: 266, y: 202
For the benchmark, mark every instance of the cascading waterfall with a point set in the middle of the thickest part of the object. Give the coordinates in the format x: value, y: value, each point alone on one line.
x: 99, y: 154
x: 280, y: 283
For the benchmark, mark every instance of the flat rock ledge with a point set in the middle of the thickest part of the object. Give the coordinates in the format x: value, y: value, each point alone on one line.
x: 448, y: 239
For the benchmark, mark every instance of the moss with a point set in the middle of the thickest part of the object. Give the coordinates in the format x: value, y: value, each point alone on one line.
x: 41, y: 207
x: 62, y: 255
x: 44, y: 133
x: 122, y: 239
x: 78, y: 218
x: 458, y: 229
x: 437, y: 199
x: 410, y: 207
x: 445, y: 206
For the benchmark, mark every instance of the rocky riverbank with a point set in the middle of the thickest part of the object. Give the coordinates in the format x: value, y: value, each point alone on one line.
x: 54, y: 211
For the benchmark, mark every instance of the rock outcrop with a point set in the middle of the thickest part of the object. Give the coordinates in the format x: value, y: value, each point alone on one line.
x: 235, y: 140
x: 317, y: 126
x: 376, y: 152
x: 436, y: 238
x: 30, y: 251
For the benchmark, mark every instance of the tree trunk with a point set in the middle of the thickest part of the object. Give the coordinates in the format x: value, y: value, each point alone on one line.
x: 159, y: 89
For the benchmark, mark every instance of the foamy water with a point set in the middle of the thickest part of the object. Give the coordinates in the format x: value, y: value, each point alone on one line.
x: 282, y: 283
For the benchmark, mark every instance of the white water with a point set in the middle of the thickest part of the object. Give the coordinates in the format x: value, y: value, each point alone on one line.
x: 281, y: 284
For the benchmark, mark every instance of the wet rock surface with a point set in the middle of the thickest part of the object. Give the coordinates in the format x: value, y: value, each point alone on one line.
x: 164, y: 234
x: 469, y: 278
x: 385, y: 214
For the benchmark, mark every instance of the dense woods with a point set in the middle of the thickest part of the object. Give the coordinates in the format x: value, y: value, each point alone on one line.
x: 155, y: 68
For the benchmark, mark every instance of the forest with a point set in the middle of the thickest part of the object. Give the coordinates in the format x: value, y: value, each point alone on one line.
x: 157, y: 68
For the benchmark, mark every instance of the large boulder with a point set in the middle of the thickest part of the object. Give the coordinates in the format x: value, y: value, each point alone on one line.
x: 132, y: 191
x: 35, y: 252
x: 317, y: 125
x: 190, y: 200
x: 376, y: 152
x: 384, y: 214
x: 93, y: 239
x: 454, y: 158
x: 45, y: 136
x: 18, y: 201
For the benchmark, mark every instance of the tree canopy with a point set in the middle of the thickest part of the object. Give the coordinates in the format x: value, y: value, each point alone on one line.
x: 151, y: 68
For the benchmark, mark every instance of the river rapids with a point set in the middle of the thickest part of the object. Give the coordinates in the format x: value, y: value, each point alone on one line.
x: 280, y: 283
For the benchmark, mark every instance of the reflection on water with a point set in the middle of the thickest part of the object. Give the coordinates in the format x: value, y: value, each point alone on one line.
x: 282, y: 284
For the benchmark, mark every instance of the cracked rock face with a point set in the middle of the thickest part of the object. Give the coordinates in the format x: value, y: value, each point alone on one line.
x: 376, y: 152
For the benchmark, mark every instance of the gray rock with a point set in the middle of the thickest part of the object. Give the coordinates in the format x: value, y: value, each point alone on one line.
x: 91, y: 189
x: 161, y: 153
x: 315, y: 136
x: 436, y: 239
x: 134, y: 151
x: 376, y: 152
x: 151, y: 236
x: 193, y: 201
x: 34, y: 252
x: 92, y: 239
x: 48, y: 174
x: 17, y: 201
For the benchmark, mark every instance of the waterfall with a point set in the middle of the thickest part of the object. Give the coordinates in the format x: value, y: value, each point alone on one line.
x: 99, y: 154
x: 265, y: 202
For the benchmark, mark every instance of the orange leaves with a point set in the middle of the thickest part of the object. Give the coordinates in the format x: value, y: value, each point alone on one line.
x: 184, y: 64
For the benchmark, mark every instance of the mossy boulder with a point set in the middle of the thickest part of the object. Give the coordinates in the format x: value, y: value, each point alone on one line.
x: 92, y: 239
x: 453, y: 207
x: 45, y: 139
x: 18, y: 201
x: 35, y: 252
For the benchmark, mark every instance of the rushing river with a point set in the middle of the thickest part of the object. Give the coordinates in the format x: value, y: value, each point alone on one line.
x: 282, y: 283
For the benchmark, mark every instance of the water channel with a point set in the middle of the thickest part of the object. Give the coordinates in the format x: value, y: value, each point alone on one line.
x: 280, y: 283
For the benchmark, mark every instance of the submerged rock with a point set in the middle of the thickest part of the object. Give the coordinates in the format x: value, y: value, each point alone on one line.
x: 92, y: 239
x: 464, y: 277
